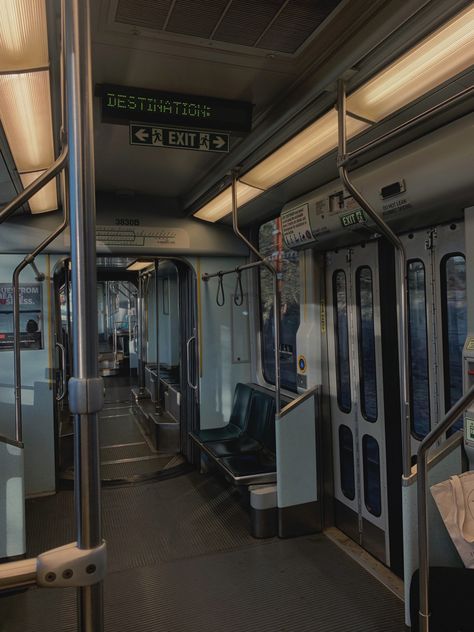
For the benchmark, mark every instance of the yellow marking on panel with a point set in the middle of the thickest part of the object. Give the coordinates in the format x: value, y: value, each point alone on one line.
x: 49, y: 320
x: 323, y: 315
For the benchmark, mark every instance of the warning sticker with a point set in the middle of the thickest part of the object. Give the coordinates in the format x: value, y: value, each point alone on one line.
x: 295, y: 226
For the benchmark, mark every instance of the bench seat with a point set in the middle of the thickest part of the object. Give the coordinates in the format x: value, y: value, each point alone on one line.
x: 250, y: 469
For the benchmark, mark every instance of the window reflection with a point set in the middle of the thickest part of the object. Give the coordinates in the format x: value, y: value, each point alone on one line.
x: 367, y: 368
x: 418, y: 349
x: 453, y: 275
x: 342, y: 341
x: 272, y: 246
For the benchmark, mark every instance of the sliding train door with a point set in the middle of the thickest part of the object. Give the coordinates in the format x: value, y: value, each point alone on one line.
x: 437, y: 309
x: 357, y: 371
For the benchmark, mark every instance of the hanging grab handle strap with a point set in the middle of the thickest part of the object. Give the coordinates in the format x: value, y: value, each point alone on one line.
x: 239, y: 290
x: 220, y: 297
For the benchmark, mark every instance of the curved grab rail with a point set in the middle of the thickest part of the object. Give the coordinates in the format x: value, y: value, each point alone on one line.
x: 62, y: 393
x: 311, y: 392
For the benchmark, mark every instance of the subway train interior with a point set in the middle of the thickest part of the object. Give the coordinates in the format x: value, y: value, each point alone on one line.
x: 236, y: 329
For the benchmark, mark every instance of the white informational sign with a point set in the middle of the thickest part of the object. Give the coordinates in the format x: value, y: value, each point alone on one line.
x: 136, y: 236
x: 295, y: 226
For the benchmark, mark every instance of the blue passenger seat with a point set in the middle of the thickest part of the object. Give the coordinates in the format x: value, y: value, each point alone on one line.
x: 237, y: 422
x: 261, y: 416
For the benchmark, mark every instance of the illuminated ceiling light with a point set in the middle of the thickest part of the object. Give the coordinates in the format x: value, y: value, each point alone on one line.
x: 139, y: 264
x: 221, y: 205
x: 25, y: 112
x: 314, y: 141
x: 23, y: 35
x: 25, y: 98
x: 444, y: 54
x: 46, y: 199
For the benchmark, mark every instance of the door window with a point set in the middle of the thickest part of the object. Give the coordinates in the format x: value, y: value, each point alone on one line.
x: 342, y: 341
x: 367, y: 368
x: 418, y: 349
x: 371, y: 462
x: 346, y: 461
x: 454, y: 309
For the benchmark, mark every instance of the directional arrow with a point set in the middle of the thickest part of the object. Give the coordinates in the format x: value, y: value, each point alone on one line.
x: 218, y: 142
x: 142, y: 135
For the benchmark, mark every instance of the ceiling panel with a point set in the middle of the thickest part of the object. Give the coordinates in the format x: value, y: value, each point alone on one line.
x: 194, y: 18
x: 296, y: 22
x: 246, y: 20
x: 147, y: 13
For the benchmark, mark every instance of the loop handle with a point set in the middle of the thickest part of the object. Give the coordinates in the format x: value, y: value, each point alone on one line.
x: 220, y: 296
x: 239, y: 290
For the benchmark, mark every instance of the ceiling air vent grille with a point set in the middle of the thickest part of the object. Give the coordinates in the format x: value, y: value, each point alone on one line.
x: 280, y: 26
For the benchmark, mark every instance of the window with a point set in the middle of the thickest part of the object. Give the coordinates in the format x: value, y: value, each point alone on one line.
x: 346, y: 462
x: 341, y: 336
x: 271, y: 245
x: 418, y: 350
x: 367, y: 367
x: 454, y: 310
x: 372, y: 489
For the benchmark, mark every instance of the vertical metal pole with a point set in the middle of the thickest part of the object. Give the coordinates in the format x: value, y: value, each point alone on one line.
x: 157, y: 337
x: 140, y: 336
x: 276, y: 292
x: 84, y: 298
x: 402, y: 311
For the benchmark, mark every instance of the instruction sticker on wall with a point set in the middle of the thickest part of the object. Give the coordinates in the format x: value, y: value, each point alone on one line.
x: 295, y: 226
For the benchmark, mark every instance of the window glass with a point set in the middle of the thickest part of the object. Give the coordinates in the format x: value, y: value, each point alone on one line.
x: 272, y: 246
x: 371, y: 463
x: 418, y: 349
x: 367, y: 370
x: 342, y: 341
x: 453, y: 275
x: 346, y: 462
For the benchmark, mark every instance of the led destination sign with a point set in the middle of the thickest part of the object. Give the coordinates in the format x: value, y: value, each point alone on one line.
x: 123, y: 104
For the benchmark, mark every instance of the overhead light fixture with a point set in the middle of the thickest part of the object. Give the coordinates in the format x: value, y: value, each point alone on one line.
x: 46, y: 199
x: 221, y: 205
x: 139, y: 264
x: 445, y: 53
x: 25, y: 99
x: 314, y: 141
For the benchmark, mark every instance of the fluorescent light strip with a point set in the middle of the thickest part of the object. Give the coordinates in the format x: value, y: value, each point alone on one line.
x: 46, y: 199
x: 25, y: 111
x: 138, y: 265
x: 443, y: 54
x: 25, y: 98
x: 23, y: 41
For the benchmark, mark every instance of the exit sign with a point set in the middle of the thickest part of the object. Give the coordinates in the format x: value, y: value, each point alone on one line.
x: 124, y: 104
x: 198, y: 140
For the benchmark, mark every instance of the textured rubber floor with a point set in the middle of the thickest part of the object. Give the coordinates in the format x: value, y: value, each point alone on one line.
x: 181, y: 560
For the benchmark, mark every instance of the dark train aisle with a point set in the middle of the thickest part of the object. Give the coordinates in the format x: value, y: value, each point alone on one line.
x: 181, y: 559
x: 127, y: 452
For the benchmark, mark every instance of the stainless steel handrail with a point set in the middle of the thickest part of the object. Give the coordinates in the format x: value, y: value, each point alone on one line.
x: 291, y: 406
x: 157, y: 338
x: 221, y: 273
x: 62, y: 393
x: 411, y: 123
x: 14, y: 442
x: 188, y: 363
x: 422, y: 469
x: 57, y: 166
x: 16, y: 311
x: 402, y: 313
x: 276, y: 292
